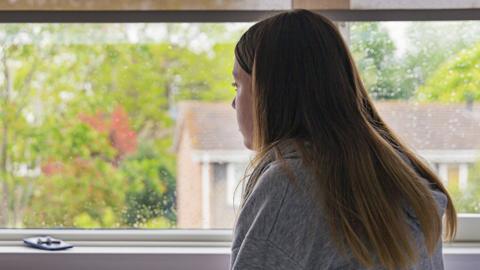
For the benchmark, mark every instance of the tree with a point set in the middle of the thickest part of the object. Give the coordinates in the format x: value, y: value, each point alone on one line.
x: 456, y: 80
x: 19, y: 134
x: 389, y: 74
x: 81, y: 108
x: 151, y: 193
x: 430, y: 48
x: 79, y: 177
x: 374, y: 52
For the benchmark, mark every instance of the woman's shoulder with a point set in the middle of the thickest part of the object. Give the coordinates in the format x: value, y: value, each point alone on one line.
x: 291, y: 218
x: 285, y: 188
x: 287, y: 173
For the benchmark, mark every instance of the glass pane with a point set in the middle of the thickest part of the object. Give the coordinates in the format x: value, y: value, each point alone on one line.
x: 425, y: 79
x: 146, y: 5
x: 88, y: 133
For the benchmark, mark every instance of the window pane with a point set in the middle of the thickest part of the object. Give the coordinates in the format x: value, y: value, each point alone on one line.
x: 88, y: 122
x: 425, y: 79
x: 130, y: 125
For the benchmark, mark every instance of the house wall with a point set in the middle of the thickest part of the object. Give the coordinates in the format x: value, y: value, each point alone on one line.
x: 189, y: 186
x: 222, y: 213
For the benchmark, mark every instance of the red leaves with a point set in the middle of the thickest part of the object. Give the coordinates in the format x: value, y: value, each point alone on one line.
x: 121, y: 136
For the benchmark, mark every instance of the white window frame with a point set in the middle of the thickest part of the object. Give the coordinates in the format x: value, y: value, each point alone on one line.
x: 468, y: 224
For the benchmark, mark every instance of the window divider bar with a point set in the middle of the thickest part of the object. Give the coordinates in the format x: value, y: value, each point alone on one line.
x: 468, y: 225
x: 133, y: 16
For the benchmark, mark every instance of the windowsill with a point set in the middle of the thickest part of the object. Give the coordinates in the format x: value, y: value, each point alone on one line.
x: 163, y: 250
x: 116, y: 258
x: 462, y: 248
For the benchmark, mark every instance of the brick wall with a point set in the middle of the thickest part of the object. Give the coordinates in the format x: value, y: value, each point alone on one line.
x: 189, y: 186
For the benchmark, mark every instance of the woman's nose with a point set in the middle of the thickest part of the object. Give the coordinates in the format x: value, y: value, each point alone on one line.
x: 233, y: 103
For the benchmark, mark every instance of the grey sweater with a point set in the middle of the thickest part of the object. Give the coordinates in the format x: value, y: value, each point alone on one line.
x: 279, y: 228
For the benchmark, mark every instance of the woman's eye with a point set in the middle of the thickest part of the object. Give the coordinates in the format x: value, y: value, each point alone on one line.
x: 234, y: 84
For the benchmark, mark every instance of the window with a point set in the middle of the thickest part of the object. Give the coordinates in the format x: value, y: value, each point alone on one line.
x: 128, y: 125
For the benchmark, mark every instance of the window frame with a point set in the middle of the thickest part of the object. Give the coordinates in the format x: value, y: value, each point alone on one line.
x: 144, y: 16
x: 467, y: 223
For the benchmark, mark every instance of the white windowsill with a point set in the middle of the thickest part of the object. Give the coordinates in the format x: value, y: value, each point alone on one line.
x: 116, y: 258
x: 462, y: 248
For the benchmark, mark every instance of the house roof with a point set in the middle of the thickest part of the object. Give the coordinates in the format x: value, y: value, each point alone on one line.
x: 433, y: 126
x: 210, y: 125
x: 430, y: 126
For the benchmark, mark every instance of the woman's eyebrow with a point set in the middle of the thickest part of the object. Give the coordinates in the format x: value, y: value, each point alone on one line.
x: 234, y: 74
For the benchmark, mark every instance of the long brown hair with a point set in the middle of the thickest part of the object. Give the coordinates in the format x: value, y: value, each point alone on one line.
x: 307, y: 90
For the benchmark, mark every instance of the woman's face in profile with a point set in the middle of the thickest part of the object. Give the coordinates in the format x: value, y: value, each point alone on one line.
x: 242, y: 103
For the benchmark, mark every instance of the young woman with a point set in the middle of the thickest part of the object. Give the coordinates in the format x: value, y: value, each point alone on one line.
x: 331, y: 187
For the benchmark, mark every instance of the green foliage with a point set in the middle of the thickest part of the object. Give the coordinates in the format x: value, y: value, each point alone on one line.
x: 80, y: 187
x: 456, y: 80
x: 107, y: 219
x: 87, y: 165
x: 158, y: 222
x: 431, y: 48
x: 391, y: 75
x: 374, y: 52
x: 151, y: 194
